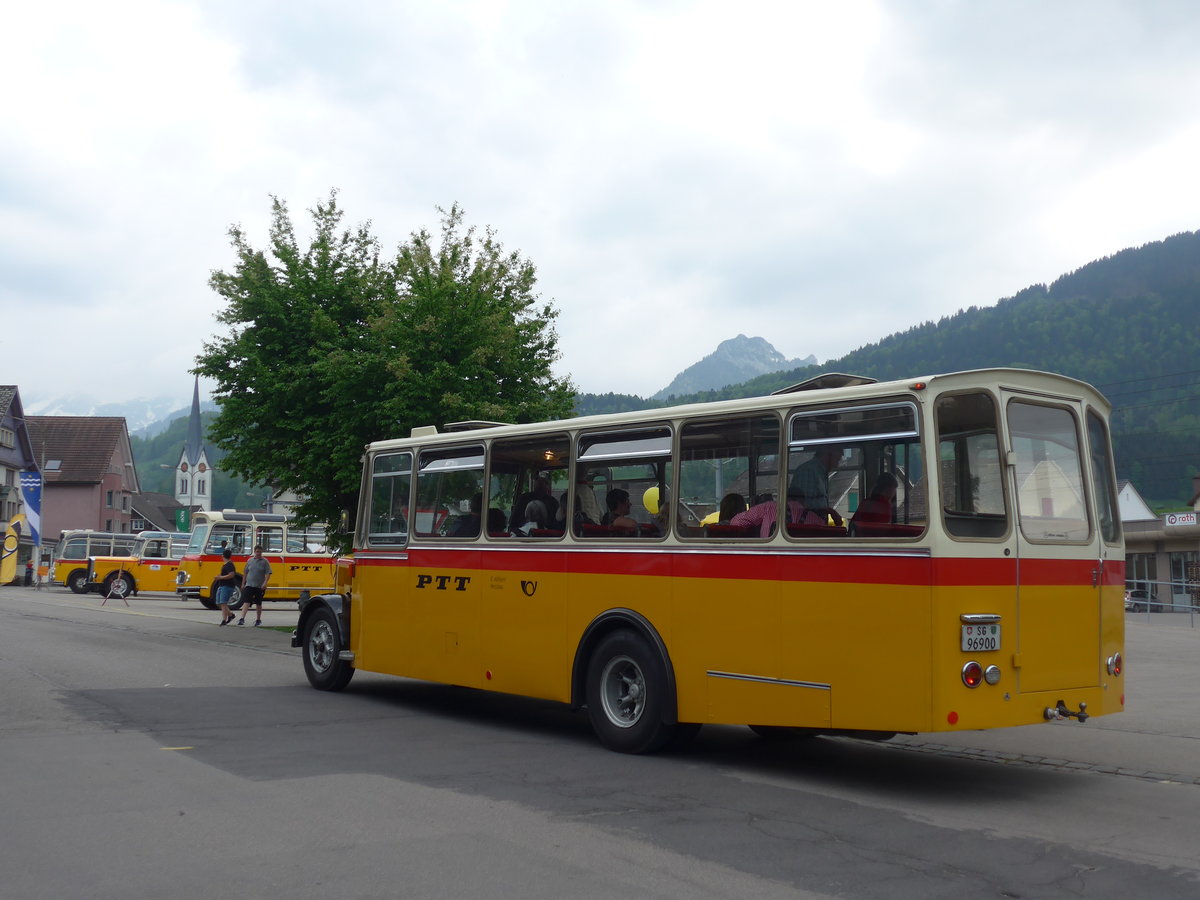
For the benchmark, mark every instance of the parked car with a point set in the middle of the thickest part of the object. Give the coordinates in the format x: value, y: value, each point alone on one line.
x: 1137, y: 601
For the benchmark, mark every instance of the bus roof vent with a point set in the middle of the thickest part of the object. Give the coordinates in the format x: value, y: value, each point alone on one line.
x: 424, y: 431
x: 472, y: 425
x: 828, y: 380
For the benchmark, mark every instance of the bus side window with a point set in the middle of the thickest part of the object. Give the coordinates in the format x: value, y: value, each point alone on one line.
x: 387, y: 512
x: 449, y: 493
x: 527, y: 478
x: 271, y: 539
x: 725, y: 466
x: 637, y: 466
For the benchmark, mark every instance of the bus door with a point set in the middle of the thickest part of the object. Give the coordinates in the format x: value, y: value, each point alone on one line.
x: 1059, y: 552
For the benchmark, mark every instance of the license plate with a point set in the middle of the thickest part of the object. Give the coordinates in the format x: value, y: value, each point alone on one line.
x: 977, y: 638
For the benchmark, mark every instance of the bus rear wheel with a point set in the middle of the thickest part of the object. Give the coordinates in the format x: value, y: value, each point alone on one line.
x: 77, y: 581
x: 627, y: 694
x: 322, y: 648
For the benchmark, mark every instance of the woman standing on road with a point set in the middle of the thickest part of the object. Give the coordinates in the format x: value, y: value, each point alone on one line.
x: 225, y: 584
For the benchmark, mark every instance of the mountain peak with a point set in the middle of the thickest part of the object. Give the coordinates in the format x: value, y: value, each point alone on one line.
x: 735, y: 360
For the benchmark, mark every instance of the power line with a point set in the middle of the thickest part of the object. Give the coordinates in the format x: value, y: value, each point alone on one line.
x: 1147, y: 378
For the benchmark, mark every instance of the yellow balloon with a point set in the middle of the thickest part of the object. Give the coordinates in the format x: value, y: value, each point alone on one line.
x: 650, y: 499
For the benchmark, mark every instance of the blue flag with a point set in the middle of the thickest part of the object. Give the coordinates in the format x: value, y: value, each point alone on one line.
x: 31, y: 495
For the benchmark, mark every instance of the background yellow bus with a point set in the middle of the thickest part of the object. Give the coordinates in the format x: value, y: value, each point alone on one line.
x: 75, y: 547
x: 300, y: 561
x: 962, y: 569
x: 151, y: 566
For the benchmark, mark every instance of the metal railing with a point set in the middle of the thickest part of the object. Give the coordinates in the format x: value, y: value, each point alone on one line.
x: 1166, y: 602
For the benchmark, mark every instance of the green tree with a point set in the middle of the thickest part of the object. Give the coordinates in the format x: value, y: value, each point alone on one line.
x: 332, y: 347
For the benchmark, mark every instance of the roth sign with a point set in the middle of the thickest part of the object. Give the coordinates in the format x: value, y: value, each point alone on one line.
x: 1173, y: 519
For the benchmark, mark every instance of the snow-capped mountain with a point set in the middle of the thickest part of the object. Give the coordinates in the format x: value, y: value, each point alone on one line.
x: 145, y: 417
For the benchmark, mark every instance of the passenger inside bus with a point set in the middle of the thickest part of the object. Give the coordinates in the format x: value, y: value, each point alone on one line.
x: 536, y: 518
x: 731, y: 505
x: 497, y: 522
x: 540, y: 493
x: 810, y: 482
x: 468, y: 525
x: 587, y: 507
x: 878, y: 506
x: 764, y: 515
x: 618, y: 518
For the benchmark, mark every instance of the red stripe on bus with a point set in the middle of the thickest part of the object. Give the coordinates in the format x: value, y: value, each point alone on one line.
x: 828, y: 568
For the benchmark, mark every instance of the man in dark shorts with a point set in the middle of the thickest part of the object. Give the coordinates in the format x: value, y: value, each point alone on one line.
x: 254, y: 583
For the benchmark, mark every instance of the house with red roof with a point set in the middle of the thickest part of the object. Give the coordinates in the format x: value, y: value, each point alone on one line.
x: 89, y: 478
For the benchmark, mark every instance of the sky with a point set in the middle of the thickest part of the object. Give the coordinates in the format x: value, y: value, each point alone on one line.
x: 818, y: 174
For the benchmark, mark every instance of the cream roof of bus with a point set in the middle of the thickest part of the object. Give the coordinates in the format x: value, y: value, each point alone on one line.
x: 1021, y: 379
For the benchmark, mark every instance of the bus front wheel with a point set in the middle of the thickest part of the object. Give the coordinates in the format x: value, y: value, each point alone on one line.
x: 118, y: 584
x: 627, y: 694
x: 322, y: 645
x: 77, y: 581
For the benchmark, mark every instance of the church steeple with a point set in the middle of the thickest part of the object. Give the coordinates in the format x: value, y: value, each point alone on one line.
x: 193, y: 475
x: 194, y: 448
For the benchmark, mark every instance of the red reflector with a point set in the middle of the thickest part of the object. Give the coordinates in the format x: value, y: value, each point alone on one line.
x: 972, y: 674
x: 952, y: 718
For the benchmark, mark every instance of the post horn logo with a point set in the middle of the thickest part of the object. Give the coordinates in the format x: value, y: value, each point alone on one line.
x: 528, y: 588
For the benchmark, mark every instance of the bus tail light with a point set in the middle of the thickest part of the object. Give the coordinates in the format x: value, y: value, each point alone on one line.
x: 1115, y: 664
x: 992, y: 674
x: 972, y: 674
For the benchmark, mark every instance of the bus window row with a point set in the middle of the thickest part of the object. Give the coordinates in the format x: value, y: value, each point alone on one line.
x: 857, y: 471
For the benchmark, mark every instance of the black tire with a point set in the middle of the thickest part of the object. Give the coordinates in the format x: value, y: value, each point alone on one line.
x: 322, y: 647
x: 208, y: 602
x: 118, y: 584
x: 627, y: 694
x: 77, y: 581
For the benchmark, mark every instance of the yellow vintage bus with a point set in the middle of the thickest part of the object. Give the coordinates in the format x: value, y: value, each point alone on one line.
x: 936, y: 554
x: 151, y: 566
x: 300, y: 561
x: 75, y: 547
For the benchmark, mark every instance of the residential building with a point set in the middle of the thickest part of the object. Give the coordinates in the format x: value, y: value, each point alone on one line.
x: 89, y: 478
x: 16, y: 460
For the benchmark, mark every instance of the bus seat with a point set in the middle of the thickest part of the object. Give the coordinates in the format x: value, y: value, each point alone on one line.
x: 587, y: 529
x: 546, y: 532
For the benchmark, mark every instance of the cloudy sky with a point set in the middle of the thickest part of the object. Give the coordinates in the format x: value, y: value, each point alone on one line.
x: 819, y: 174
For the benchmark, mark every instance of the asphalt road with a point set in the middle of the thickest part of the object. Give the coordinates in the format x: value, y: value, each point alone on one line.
x: 149, y: 753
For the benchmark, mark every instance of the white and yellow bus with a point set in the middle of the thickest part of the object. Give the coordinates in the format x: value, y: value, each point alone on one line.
x: 300, y: 561
x: 980, y: 586
x: 76, y: 547
x: 152, y: 565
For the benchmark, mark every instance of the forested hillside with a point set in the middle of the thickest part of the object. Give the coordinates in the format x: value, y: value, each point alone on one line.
x: 152, y: 454
x: 1129, y: 324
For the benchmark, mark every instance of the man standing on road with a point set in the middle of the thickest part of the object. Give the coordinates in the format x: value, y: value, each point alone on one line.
x: 226, y: 582
x: 254, y: 583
